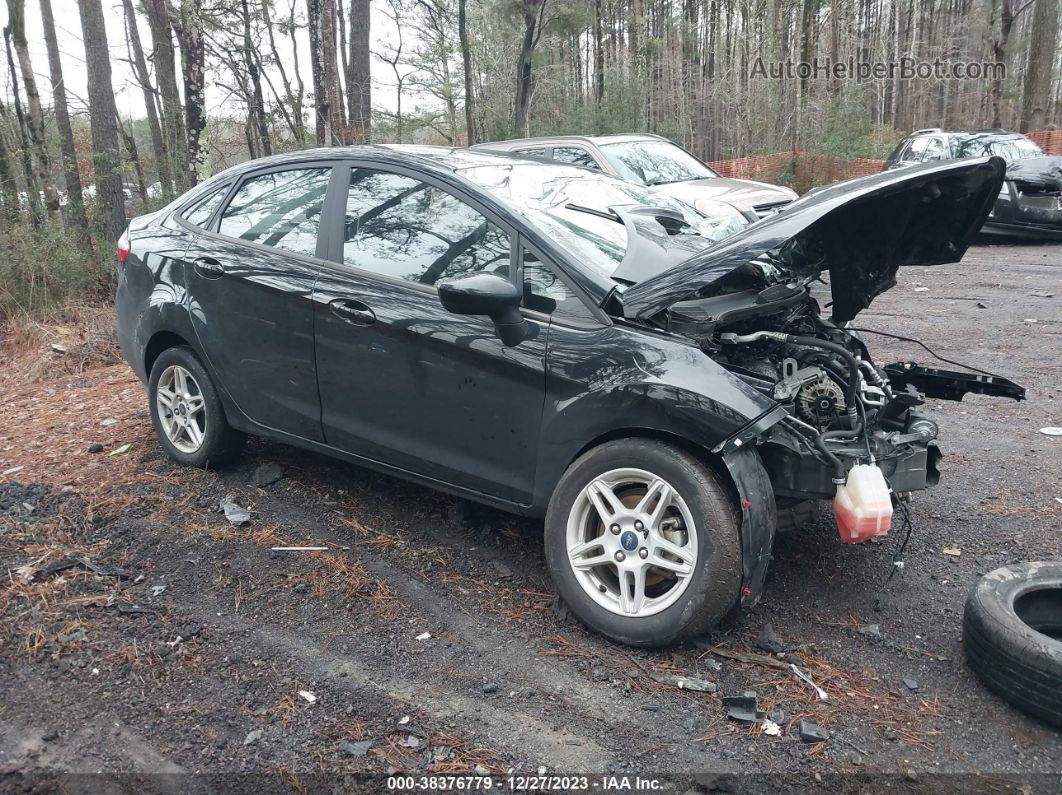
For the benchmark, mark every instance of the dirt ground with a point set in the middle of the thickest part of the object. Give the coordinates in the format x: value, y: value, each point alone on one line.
x: 147, y: 643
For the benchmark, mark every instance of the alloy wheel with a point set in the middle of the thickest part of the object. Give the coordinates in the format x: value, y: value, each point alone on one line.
x: 181, y: 409
x: 632, y: 542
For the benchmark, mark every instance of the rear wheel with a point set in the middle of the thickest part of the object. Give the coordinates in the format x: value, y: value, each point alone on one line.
x: 643, y: 542
x: 186, y: 412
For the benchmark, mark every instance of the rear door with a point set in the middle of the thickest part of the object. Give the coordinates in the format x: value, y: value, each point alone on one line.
x: 403, y: 381
x: 250, y: 280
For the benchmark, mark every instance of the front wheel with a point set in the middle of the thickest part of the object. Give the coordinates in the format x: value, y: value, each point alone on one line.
x: 643, y: 543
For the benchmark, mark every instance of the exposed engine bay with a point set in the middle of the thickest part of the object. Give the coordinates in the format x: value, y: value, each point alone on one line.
x: 845, y: 411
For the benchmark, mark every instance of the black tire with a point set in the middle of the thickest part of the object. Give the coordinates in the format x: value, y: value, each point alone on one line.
x: 1012, y: 632
x: 221, y: 444
x: 715, y: 583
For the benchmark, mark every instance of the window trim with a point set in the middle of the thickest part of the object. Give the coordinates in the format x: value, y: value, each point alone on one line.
x: 333, y: 256
x: 600, y: 317
x: 185, y: 208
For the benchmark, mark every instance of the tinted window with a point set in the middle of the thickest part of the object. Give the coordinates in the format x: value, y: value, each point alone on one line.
x: 400, y: 227
x: 200, y: 212
x: 574, y: 155
x: 281, y: 209
x: 544, y: 291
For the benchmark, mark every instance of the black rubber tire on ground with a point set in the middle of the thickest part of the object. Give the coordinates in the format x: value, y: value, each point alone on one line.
x: 221, y: 443
x: 715, y: 587
x: 1012, y: 631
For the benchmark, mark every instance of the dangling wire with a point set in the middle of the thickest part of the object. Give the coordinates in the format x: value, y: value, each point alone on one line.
x: 897, y: 557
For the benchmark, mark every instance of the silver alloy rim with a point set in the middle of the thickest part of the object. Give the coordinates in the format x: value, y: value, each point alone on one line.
x: 632, y: 542
x: 181, y: 409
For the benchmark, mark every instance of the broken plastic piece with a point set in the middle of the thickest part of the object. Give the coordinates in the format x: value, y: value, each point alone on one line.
x: 823, y: 696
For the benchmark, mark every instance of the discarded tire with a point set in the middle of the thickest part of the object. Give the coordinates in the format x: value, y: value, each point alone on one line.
x: 1012, y: 631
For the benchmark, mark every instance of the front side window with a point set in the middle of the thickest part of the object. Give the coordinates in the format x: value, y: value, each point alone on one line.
x: 202, y: 211
x: 575, y: 156
x: 916, y: 150
x: 934, y: 150
x: 401, y: 227
x: 281, y: 209
x: 654, y: 162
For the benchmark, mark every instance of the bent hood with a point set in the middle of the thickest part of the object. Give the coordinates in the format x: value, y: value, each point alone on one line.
x: 741, y: 193
x: 860, y: 231
x: 1038, y: 174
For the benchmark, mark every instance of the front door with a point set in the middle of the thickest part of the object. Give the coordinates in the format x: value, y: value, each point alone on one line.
x: 250, y: 279
x: 402, y: 380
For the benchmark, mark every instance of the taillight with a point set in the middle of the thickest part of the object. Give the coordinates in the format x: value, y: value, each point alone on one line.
x: 123, y: 247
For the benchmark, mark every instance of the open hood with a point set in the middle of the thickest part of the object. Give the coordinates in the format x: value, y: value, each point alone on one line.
x: 860, y: 231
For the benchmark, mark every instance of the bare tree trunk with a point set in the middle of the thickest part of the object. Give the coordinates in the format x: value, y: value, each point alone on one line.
x: 166, y: 73
x: 317, y: 70
x: 103, y: 120
x: 291, y: 104
x: 359, y: 83
x: 29, y: 169
x: 999, y: 52
x: 532, y: 11
x: 1036, y: 94
x: 71, y: 176
x: 337, y: 123
x: 599, y: 55
x: 193, y: 53
x: 466, y: 65
x: 158, y: 141
x: 257, y: 100
x: 35, y: 115
x: 8, y: 185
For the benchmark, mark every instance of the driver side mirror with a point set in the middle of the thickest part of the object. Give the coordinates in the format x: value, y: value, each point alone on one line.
x: 491, y: 295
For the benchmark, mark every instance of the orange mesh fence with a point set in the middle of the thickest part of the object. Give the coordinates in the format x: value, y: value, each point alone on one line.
x: 799, y: 170
x: 1048, y: 140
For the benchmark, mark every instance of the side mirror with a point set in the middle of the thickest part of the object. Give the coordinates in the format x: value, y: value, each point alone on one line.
x: 487, y: 294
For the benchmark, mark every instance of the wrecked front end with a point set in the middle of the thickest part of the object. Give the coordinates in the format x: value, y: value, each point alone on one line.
x: 853, y: 429
x: 1030, y: 202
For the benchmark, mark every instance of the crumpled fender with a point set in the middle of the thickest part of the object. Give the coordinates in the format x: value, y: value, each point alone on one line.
x: 759, y: 518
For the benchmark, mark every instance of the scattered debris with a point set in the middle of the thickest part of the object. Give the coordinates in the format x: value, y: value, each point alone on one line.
x: 811, y: 732
x: 921, y: 289
x: 412, y: 741
x: 756, y: 659
x: 686, y: 682
x: 818, y: 690
x: 13, y: 470
x: 503, y: 569
x: 873, y: 630
x: 746, y: 700
x: 233, y: 512
x: 490, y: 688
x: 107, y: 423
x: 403, y: 720
x: 122, y: 450
x: 910, y: 684
x: 158, y: 590
x: 952, y: 552
x: 253, y: 736
x: 307, y: 696
x: 70, y: 637
x: 57, y: 348
x: 95, y: 447
x: 1041, y: 294
x: 769, y: 641
x: 1050, y: 430
x: 742, y: 715
x: 424, y: 636
x: 131, y: 609
x: 771, y: 729
x: 267, y: 474
x: 982, y: 305
x: 777, y: 715
x: 356, y: 749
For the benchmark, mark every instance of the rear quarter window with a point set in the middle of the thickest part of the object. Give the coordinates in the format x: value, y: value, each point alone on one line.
x: 201, y: 211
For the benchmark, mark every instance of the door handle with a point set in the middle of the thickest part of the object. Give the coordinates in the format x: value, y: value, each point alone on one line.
x: 209, y: 268
x: 352, y: 311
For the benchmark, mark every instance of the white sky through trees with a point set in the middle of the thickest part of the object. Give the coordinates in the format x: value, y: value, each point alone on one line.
x: 128, y: 95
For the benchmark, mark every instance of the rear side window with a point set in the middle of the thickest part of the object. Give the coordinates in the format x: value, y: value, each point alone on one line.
x: 575, y: 156
x: 401, y: 227
x: 281, y: 209
x: 201, y: 212
x: 537, y: 152
x: 934, y: 150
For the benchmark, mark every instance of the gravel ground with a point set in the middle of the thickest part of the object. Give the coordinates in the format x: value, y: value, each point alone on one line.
x: 146, y: 643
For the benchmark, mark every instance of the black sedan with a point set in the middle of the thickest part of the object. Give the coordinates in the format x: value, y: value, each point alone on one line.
x: 554, y: 343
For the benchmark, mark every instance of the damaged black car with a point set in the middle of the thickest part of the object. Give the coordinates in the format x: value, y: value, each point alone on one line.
x: 1029, y: 204
x: 557, y: 344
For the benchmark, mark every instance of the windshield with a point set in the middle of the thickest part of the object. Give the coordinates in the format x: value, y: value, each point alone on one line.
x: 1007, y: 148
x: 654, y: 162
x: 555, y: 199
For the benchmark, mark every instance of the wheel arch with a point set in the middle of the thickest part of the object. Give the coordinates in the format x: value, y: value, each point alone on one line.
x: 161, y: 341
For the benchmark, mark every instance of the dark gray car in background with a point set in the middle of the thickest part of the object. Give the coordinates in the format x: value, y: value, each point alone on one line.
x: 1029, y: 203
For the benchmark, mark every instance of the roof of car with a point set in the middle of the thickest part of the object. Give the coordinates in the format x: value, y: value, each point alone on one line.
x: 968, y: 134
x: 596, y: 140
